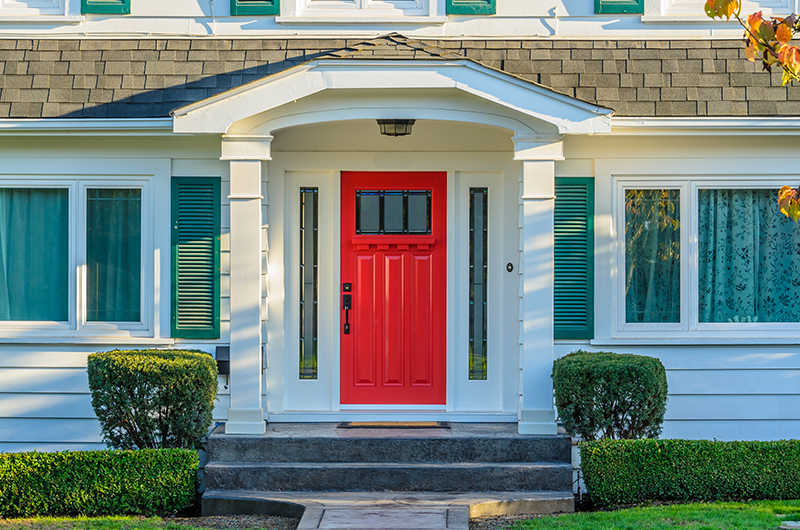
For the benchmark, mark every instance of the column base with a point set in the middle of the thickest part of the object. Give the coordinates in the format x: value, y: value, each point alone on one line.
x: 538, y: 422
x: 245, y: 421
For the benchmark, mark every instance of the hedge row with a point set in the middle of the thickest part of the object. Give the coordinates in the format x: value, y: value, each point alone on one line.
x: 97, y: 482
x: 629, y: 471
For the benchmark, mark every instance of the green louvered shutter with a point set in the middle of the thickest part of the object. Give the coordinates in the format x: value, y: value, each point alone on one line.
x: 255, y: 7
x: 574, y: 258
x: 619, y: 7
x: 470, y: 7
x: 195, y: 257
x: 106, y: 7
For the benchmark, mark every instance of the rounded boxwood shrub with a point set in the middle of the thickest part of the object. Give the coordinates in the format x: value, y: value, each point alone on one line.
x: 608, y: 395
x: 153, y: 399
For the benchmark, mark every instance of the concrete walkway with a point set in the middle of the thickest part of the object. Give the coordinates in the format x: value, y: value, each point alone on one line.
x: 387, y: 510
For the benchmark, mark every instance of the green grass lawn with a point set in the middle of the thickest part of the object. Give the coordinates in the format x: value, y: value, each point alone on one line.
x: 712, y: 516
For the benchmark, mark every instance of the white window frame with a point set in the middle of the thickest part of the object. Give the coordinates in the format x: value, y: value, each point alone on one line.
x: 77, y: 325
x: 682, y: 11
x: 689, y: 325
x: 333, y: 12
x: 33, y: 7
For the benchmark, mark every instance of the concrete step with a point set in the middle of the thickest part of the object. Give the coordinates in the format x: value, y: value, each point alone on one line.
x: 328, y: 444
x: 393, y: 476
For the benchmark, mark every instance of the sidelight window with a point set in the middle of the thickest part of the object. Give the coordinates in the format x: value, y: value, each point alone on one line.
x: 309, y: 281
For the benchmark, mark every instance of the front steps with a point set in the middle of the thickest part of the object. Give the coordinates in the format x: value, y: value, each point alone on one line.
x: 302, y: 460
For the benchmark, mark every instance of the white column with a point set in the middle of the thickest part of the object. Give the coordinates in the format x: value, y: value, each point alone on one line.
x: 538, y: 156
x: 245, y: 415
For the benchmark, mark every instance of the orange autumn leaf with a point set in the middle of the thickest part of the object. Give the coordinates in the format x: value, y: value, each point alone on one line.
x: 750, y: 50
x: 789, y: 56
x: 754, y: 21
x: 788, y: 202
x: 783, y: 34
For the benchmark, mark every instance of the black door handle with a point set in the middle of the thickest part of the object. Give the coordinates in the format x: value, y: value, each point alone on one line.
x: 347, y: 302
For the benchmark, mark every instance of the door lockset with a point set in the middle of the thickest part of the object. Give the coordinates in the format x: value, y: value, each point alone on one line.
x: 347, y: 302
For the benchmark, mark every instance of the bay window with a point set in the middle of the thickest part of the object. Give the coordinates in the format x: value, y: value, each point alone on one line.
x: 72, y: 256
x: 705, y: 256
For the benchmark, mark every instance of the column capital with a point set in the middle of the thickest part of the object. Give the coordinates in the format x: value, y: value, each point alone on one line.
x: 538, y: 147
x: 246, y: 147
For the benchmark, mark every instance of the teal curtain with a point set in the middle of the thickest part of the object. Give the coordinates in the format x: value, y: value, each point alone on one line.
x: 652, y: 256
x: 113, y: 255
x: 34, y: 254
x: 749, y: 258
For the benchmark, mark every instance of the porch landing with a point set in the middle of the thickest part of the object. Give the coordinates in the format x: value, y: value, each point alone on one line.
x: 387, y: 477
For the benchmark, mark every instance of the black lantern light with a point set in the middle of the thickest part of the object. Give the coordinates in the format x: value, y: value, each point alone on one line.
x: 396, y: 127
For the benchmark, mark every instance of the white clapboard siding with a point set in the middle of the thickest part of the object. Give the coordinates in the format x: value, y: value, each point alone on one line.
x: 699, y: 382
x: 45, y: 380
x: 726, y: 430
x: 43, y: 356
x: 36, y: 430
x: 751, y: 407
x: 39, y: 405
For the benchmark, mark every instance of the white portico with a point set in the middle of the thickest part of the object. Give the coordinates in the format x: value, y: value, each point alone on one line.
x: 447, y: 98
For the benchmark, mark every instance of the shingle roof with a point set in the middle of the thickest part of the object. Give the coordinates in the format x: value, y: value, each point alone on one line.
x: 149, y: 78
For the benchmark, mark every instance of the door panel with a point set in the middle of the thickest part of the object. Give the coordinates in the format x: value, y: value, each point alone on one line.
x: 394, y: 259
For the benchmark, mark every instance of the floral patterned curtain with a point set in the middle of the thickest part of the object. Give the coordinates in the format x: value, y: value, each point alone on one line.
x: 749, y: 258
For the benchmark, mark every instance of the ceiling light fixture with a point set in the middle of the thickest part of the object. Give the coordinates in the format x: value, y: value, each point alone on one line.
x: 396, y: 127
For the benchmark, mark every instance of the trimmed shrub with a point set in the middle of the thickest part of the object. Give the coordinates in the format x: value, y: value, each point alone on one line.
x: 161, y: 481
x: 628, y: 471
x: 153, y: 399
x: 610, y: 395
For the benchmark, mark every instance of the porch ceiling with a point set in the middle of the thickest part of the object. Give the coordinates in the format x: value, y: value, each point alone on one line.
x: 347, y: 89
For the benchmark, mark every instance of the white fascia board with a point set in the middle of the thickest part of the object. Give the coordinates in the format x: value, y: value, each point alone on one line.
x: 218, y: 113
x: 703, y: 126
x: 87, y: 127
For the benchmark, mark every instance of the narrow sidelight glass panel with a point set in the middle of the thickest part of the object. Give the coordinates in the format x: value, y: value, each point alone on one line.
x: 113, y: 255
x: 309, y: 261
x: 34, y: 254
x: 478, y: 244
x: 368, y: 212
x: 652, y: 256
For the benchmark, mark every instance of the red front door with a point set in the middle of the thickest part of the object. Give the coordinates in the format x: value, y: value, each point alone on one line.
x: 393, y: 291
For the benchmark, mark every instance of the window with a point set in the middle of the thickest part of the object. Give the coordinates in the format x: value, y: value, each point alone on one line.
x: 50, y: 230
x: 106, y: 7
x: 478, y: 281
x: 705, y: 255
x: 32, y: 7
x: 309, y: 265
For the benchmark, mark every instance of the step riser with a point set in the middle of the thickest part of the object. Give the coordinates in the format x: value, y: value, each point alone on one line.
x: 479, y: 478
x: 434, y: 450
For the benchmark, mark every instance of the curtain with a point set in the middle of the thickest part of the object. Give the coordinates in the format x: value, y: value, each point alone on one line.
x: 749, y: 258
x: 113, y: 255
x: 34, y: 254
x: 652, y: 256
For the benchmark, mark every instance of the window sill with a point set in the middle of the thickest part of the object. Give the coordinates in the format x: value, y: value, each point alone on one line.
x: 134, y: 341
x: 419, y: 20
x: 696, y: 341
x: 42, y: 19
x: 685, y: 19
